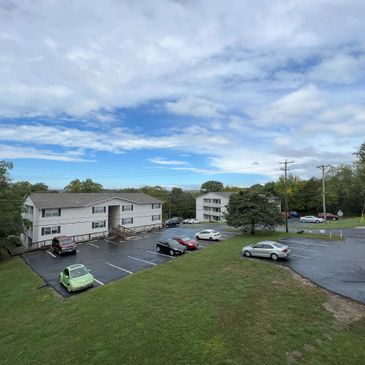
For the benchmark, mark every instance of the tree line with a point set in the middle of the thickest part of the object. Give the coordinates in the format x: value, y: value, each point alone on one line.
x: 345, y: 190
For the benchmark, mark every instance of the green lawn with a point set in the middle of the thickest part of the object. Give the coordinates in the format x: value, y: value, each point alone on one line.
x: 210, y: 307
x: 342, y: 223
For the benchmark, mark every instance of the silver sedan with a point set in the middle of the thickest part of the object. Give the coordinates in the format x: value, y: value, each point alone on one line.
x: 271, y: 249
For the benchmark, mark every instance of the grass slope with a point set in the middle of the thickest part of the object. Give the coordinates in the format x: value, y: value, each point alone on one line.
x: 210, y: 307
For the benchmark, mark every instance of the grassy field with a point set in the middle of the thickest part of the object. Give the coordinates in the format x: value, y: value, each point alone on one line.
x: 342, y: 223
x: 210, y: 307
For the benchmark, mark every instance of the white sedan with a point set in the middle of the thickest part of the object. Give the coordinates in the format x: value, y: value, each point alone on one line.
x: 311, y: 219
x: 208, y: 234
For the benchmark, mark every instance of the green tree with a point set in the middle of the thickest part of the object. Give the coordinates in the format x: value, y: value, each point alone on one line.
x: 251, y: 211
x: 212, y: 185
x: 86, y: 186
x: 11, y: 222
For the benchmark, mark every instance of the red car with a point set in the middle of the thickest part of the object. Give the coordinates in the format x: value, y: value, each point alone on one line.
x: 63, y: 244
x: 329, y: 216
x: 189, y: 242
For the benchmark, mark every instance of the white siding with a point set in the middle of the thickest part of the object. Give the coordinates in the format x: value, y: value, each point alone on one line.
x: 210, y: 210
x: 78, y: 221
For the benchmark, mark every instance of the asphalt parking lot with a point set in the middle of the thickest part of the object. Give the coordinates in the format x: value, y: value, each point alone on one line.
x: 112, y: 259
x: 335, y: 265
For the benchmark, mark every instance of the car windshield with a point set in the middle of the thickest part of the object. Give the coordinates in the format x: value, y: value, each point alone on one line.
x: 80, y: 271
x: 173, y: 243
x: 277, y: 244
x: 66, y: 242
x: 186, y: 238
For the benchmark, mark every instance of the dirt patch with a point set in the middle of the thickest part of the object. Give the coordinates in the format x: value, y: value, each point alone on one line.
x: 344, y: 310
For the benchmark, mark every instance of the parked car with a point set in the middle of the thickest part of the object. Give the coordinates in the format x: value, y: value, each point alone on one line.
x: 188, y: 242
x: 170, y: 246
x: 186, y: 221
x: 329, y: 216
x: 271, y: 249
x: 171, y: 223
x: 76, y: 277
x: 294, y: 214
x: 208, y: 234
x: 63, y: 244
x: 311, y: 219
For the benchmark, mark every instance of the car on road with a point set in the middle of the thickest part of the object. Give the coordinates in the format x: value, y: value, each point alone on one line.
x: 76, y: 277
x: 329, y: 216
x: 63, y: 244
x: 208, y: 234
x: 191, y: 221
x: 294, y: 214
x: 172, y: 223
x: 170, y: 246
x: 186, y: 241
x: 311, y: 219
x: 270, y: 249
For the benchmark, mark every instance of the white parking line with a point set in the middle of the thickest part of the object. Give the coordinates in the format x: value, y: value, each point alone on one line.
x: 114, y: 243
x: 161, y: 254
x: 304, y: 257
x: 77, y: 251
x: 147, y: 262
x: 98, y: 281
x: 306, y: 249
x: 51, y: 253
x: 91, y: 244
x: 119, y: 268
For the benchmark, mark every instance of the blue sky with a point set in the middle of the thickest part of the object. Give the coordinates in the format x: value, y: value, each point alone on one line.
x: 175, y: 93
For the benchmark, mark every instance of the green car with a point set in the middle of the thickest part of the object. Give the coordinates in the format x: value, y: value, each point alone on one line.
x: 76, y: 277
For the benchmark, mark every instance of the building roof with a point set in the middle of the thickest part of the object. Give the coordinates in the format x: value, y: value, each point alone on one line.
x: 76, y: 200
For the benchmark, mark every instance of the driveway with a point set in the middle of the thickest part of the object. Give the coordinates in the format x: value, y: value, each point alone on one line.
x: 338, y: 266
x: 112, y: 259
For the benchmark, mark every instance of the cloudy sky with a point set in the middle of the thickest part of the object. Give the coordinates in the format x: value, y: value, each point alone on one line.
x: 135, y: 93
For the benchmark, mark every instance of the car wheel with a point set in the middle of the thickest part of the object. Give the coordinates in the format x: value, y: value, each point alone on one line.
x: 197, y: 237
x: 247, y: 254
x: 304, y: 221
x: 158, y: 249
x: 69, y: 289
x: 274, y: 257
x: 210, y: 239
x: 172, y: 252
x: 317, y: 221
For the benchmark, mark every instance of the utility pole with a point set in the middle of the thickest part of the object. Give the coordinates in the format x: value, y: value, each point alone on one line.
x: 169, y: 207
x: 323, y: 169
x: 286, y: 163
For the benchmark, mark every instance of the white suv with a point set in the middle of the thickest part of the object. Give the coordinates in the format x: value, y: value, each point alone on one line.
x: 208, y: 234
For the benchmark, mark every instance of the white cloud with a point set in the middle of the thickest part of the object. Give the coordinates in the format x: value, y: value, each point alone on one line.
x: 161, y: 161
x: 193, y: 106
x: 13, y: 152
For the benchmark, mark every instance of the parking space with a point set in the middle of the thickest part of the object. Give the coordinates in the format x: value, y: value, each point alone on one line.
x: 112, y: 259
x: 336, y: 265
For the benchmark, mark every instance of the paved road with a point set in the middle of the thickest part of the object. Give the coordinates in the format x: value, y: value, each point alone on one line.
x: 336, y: 265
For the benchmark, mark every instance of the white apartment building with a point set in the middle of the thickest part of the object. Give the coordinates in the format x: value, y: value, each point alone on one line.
x: 87, y: 215
x: 212, y: 206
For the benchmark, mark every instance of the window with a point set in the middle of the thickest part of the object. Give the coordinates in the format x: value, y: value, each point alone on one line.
x: 98, y: 210
x: 206, y: 200
x: 127, y: 221
x: 216, y: 201
x: 156, y: 205
x: 126, y: 208
x: 99, y: 224
x: 51, y: 212
x: 51, y: 230
x: 156, y: 217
